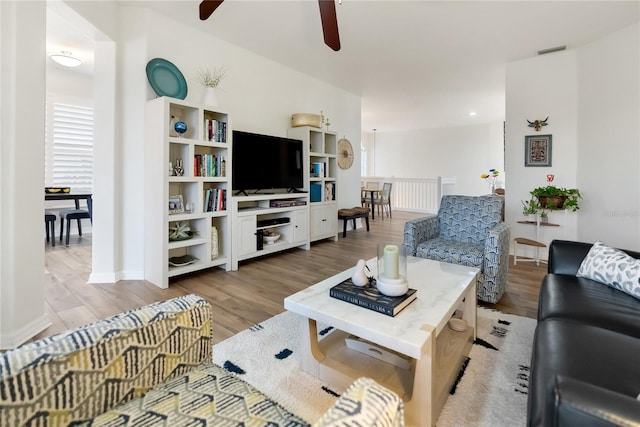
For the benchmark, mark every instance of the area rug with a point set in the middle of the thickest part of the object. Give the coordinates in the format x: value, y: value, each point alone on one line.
x: 491, y: 389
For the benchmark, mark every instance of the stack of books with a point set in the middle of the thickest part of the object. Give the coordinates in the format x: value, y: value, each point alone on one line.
x: 369, y: 297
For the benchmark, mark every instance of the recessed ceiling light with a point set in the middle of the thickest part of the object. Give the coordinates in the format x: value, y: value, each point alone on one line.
x: 66, y: 59
x: 473, y: 113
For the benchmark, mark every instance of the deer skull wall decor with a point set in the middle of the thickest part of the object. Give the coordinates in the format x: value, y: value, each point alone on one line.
x: 537, y: 124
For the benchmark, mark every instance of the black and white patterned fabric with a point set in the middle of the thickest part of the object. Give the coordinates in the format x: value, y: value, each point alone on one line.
x: 612, y: 267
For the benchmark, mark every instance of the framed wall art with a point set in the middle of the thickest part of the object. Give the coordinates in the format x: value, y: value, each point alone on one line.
x: 176, y: 204
x: 537, y: 150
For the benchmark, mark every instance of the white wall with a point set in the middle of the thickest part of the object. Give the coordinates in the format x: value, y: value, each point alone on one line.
x: 259, y: 94
x: 22, y: 77
x: 591, y: 97
x: 464, y: 152
x: 609, y: 135
x: 536, y: 88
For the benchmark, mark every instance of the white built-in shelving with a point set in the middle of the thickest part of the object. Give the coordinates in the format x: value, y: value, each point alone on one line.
x: 195, y: 149
x: 321, y: 179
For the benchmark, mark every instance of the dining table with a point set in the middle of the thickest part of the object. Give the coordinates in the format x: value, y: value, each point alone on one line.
x: 373, y: 193
x: 76, y: 197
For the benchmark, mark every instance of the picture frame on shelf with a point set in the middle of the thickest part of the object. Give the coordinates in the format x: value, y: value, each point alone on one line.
x: 537, y: 150
x: 176, y: 204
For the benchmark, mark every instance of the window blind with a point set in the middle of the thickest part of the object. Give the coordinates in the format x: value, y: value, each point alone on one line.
x: 69, y: 147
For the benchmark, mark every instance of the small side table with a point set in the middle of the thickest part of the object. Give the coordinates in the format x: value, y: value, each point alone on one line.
x: 529, y: 242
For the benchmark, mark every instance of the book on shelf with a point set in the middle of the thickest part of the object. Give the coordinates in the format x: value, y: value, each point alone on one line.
x: 215, y: 130
x: 369, y: 297
x: 209, y: 165
x: 215, y: 200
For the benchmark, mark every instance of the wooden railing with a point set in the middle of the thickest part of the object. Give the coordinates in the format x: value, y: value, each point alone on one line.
x: 416, y: 194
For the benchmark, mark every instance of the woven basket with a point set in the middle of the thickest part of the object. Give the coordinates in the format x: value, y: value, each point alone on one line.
x: 552, y: 202
x: 303, y: 119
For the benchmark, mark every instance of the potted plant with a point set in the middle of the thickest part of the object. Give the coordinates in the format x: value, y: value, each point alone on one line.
x: 210, y: 79
x: 552, y: 197
x: 530, y: 207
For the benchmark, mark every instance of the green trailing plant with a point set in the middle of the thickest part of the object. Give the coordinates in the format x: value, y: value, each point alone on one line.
x: 552, y: 197
x: 531, y: 207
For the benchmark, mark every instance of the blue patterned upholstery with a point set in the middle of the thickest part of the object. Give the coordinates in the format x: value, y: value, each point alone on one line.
x: 467, y: 231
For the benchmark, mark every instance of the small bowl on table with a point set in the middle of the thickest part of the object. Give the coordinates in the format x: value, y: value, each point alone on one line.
x: 270, y: 239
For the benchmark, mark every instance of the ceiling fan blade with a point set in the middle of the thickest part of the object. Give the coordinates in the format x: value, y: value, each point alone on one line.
x: 207, y: 7
x: 329, y: 23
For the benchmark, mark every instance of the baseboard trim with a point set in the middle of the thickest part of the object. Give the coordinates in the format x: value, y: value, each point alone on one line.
x: 115, y: 277
x: 25, y: 332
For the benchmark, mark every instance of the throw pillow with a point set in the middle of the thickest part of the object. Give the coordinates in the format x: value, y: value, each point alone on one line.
x: 612, y: 267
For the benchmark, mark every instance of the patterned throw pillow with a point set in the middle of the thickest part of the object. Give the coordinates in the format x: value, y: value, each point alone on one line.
x: 613, y: 268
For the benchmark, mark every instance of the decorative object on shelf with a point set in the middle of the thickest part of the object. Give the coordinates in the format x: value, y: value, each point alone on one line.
x: 179, y: 230
x: 172, y: 125
x: 359, y: 277
x: 458, y: 325
x: 179, y: 261
x: 345, y: 154
x: 552, y: 197
x: 170, y: 168
x: 180, y: 128
x: 210, y: 79
x: 537, y: 150
x: 325, y: 120
x: 304, y: 119
x: 491, y: 178
x: 165, y: 79
x: 392, y: 269
x: 176, y: 205
x: 178, y: 170
x: 270, y: 237
x: 537, y: 124
x: 214, y: 243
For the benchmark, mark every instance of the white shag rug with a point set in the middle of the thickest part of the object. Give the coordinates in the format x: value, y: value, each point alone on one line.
x: 492, y: 390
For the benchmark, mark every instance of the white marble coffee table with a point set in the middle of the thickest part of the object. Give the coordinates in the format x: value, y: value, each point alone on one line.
x: 418, y: 334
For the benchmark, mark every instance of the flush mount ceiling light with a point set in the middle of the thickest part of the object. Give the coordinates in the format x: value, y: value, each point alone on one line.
x: 66, y: 59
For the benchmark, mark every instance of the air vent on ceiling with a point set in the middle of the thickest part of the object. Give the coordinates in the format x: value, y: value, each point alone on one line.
x: 552, y: 49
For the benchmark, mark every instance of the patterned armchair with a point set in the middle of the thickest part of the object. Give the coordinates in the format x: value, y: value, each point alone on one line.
x: 467, y: 231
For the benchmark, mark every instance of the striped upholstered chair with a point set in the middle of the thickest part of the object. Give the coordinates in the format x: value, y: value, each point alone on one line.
x: 152, y: 366
x: 468, y: 231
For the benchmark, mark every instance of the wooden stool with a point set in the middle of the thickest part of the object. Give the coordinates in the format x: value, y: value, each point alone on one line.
x: 527, y: 242
x: 353, y: 213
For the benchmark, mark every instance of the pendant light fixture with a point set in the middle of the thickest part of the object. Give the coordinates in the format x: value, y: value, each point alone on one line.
x: 66, y: 58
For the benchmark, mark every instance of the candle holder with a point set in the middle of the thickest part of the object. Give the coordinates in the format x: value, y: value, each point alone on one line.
x: 391, y: 279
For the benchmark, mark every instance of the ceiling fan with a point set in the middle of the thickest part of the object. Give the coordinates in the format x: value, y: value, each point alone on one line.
x: 327, y: 16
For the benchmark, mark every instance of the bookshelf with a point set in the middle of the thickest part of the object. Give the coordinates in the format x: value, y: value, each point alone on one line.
x: 321, y: 180
x: 196, y: 195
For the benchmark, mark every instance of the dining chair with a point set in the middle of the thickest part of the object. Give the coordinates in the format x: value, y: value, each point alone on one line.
x: 50, y: 227
x: 69, y: 215
x: 384, y: 201
x: 365, y: 193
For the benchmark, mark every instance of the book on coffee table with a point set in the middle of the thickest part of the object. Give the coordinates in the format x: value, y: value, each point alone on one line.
x: 369, y: 297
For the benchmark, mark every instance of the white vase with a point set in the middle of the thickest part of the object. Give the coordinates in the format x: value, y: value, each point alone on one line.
x: 210, y: 97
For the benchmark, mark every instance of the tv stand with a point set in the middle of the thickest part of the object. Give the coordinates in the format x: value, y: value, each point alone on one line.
x: 241, y: 192
x: 254, y: 213
x: 296, y: 191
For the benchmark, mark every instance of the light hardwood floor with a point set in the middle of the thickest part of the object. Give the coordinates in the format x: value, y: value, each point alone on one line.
x: 245, y: 297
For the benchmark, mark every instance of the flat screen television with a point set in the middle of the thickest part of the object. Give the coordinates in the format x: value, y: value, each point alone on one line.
x: 262, y: 162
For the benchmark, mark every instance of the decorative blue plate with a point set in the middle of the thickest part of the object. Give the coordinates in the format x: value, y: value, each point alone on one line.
x: 165, y: 79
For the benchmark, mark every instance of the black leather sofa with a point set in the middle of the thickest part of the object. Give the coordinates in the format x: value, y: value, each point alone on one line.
x: 585, y: 363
